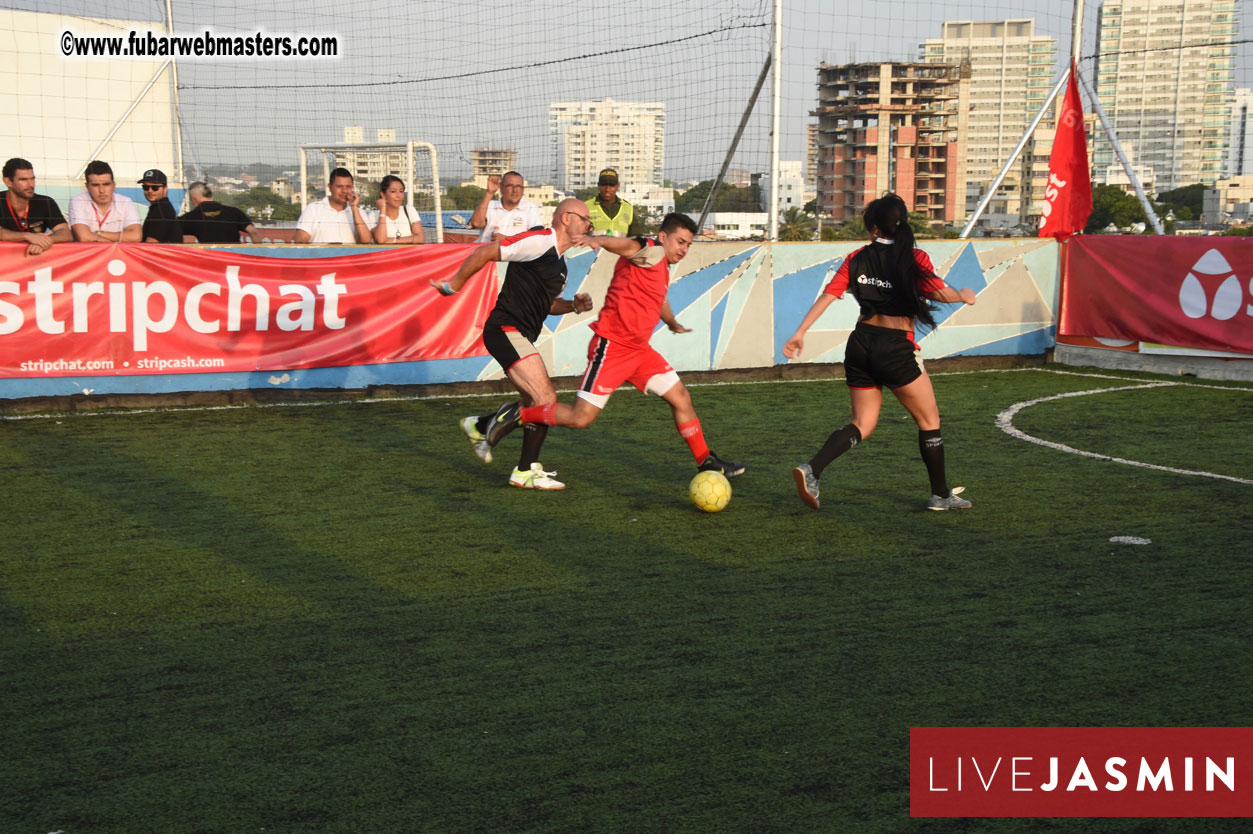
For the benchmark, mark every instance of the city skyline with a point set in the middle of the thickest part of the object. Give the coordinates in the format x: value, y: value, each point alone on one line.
x: 486, y: 77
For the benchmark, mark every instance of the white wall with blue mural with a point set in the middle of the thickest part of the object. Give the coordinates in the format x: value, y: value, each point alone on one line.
x: 741, y: 300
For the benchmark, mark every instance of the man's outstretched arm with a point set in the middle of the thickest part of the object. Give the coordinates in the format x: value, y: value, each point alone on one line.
x: 479, y: 258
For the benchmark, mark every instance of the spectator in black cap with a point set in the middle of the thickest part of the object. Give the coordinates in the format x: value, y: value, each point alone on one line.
x: 212, y: 222
x: 27, y: 217
x: 162, y: 224
x: 611, y: 216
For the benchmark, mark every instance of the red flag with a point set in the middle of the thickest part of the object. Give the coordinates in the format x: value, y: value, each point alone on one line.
x: 1068, y: 197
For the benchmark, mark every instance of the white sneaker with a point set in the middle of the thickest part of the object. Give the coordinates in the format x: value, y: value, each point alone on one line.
x: 477, y: 438
x: 469, y: 425
x: 535, y: 478
x: 951, y: 502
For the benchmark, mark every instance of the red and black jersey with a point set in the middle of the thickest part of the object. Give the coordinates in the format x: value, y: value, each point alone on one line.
x: 536, y: 276
x: 877, y: 286
x: 635, y: 297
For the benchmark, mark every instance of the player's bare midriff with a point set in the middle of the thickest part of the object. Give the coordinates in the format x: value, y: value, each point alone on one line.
x: 890, y: 322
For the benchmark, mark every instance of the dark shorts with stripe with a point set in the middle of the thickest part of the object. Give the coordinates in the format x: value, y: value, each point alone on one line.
x: 506, y: 344
x: 879, y: 356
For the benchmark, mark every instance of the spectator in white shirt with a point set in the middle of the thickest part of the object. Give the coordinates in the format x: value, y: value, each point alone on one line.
x: 100, y: 216
x: 397, y: 222
x: 507, y: 216
x: 337, y: 218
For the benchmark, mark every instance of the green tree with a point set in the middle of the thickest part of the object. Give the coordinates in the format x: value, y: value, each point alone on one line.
x: 728, y: 198
x: 1187, y: 198
x: 1111, y: 204
x: 850, y: 230
x: 586, y: 194
x: 796, y: 225
x: 260, y: 203
x: 462, y: 197
x: 921, y: 224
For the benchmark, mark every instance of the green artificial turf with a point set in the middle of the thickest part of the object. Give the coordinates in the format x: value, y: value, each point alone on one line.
x: 336, y: 619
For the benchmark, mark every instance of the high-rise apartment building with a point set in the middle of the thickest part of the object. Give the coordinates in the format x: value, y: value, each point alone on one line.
x: 811, y: 155
x: 1011, y: 72
x: 1240, y: 141
x: 487, y: 161
x: 1164, y: 76
x: 372, y: 165
x: 589, y: 136
x: 892, y: 127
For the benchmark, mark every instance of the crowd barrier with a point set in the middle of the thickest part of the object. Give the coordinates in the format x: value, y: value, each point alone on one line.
x: 1168, y: 304
x: 149, y: 319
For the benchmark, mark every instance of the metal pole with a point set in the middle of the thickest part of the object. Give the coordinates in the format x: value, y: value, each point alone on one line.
x: 413, y: 177
x: 439, y: 210
x: 1076, y: 31
x: 776, y: 100
x: 304, y: 178
x: 178, y: 121
x: 726, y: 162
x: 987, y: 197
x: 96, y: 153
x: 1122, y: 157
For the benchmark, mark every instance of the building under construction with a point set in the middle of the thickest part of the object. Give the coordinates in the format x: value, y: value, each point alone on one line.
x: 898, y: 127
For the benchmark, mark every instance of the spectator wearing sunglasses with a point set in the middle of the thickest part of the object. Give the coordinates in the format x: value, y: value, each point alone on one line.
x: 162, y: 224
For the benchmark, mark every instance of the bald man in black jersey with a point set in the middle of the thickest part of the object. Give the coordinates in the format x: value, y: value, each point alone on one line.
x: 531, y: 292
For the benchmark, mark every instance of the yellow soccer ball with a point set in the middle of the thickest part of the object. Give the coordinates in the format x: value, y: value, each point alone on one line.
x: 710, y: 491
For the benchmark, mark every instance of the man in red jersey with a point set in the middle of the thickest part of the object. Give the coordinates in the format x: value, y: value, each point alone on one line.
x: 619, y: 351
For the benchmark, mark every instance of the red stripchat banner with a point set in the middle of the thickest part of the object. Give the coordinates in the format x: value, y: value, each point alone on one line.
x: 1081, y: 771
x: 149, y: 308
x: 1188, y: 292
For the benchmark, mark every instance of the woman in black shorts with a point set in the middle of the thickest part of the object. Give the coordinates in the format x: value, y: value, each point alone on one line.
x: 893, y: 282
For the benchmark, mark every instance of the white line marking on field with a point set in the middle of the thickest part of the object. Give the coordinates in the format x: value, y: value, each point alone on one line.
x: 434, y: 397
x: 1005, y: 422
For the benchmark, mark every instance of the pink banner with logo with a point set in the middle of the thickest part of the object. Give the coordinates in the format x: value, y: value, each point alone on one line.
x: 1190, y: 292
x: 156, y: 309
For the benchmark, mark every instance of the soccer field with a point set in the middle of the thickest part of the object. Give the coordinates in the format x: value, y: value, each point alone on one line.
x: 334, y: 618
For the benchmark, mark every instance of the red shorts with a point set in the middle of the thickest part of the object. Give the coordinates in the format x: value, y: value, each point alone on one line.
x: 609, y: 364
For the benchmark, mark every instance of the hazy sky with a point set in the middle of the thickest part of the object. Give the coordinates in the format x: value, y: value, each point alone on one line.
x: 463, y: 75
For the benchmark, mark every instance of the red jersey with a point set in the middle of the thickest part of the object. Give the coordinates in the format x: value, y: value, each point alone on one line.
x: 635, y: 297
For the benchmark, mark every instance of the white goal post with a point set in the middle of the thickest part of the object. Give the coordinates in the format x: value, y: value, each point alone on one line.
x: 414, y: 181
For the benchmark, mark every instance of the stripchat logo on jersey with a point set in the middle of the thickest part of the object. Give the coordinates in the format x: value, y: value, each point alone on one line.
x: 1212, y: 289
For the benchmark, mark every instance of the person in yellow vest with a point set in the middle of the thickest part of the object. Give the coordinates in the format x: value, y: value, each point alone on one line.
x: 611, y: 216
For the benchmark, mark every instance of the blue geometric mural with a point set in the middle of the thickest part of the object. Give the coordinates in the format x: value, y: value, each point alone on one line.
x: 742, y: 301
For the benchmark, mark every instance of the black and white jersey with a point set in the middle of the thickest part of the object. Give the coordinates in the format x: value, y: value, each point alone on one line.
x: 536, y: 276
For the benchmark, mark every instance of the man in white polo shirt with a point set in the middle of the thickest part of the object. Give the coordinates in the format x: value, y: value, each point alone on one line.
x: 98, y: 215
x: 337, y: 218
x: 510, y: 215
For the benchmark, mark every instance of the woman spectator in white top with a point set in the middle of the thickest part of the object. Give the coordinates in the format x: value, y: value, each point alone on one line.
x: 398, y: 223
